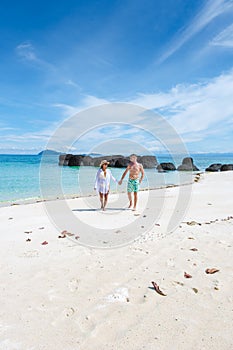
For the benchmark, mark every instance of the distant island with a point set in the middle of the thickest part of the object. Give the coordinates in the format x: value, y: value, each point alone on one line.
x: 52, y: 152
x: 48, y: 152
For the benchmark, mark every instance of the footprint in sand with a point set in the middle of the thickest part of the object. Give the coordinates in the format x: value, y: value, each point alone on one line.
x: 68, y: 312
x: 64, y: 315
x: 73, y: 285
x: 87, y: 325
x: 119, y: 295
x: 30, y: 254
x: 53, y: 295
x: 215, y: 284
x: 170, y: 262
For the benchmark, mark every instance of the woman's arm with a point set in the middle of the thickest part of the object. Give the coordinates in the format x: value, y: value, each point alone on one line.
x: 123, y: 175
x: 112, y: 177
x: 96, y: 179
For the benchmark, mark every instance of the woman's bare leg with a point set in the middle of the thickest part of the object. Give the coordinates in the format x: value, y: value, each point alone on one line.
x: 101, y: 200
x: 105, y: 200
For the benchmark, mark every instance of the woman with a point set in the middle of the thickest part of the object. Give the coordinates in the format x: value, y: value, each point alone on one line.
x: 102, y: 182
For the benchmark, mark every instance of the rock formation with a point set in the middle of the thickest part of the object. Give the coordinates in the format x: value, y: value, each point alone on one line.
x: 219, y: 167
x: 226, y: 167
x: 187, y: 165
x: 117, y: 161
x: 214, y: 167
x: 166, y: 167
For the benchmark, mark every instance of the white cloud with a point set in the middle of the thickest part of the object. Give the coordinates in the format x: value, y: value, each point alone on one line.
x: 27, y: 53
x: 21, y: 150
x: 195, y: 110
x: 6, y: 129
x: 27, y: 140
x: 224, y: 38
x: 211, y: 10
x: 87, y: 102
x: 72, y: 83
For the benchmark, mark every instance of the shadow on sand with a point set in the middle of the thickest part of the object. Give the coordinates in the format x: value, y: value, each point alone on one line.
x: 94, y: 209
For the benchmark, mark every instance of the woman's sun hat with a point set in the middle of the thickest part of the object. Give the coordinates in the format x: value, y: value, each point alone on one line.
x: 104, y: 162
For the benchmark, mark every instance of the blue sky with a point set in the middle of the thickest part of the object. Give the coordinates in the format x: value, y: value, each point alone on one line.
x: 172, y: 56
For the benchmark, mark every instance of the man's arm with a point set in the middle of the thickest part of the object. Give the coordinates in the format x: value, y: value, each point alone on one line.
x: 123, y: 175
x: 142, y: 173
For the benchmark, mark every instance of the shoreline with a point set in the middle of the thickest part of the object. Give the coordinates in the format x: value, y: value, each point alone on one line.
x: 74, y: 196
x: 34, y: 200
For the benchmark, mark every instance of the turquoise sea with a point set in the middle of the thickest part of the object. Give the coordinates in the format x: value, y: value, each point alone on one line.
x: 20, y: 176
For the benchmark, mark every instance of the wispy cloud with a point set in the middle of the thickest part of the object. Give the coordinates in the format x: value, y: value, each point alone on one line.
x: 72, y: 83
x: 26, y: 51
x: 6, y: 128
x: 196, y: 111
x: 211, y: 10
x: 28, y: 140
x: 86, y: 102
x: 25, y: 138
x: 117, y: 139
x: 224, y: 38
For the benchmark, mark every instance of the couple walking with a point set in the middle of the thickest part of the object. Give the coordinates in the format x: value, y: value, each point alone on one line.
x: 104, y: 176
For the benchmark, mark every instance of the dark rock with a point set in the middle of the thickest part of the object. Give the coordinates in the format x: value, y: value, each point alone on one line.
x: 96, y: 162
x: 88, y: 161
x: 166, y: 167
x: 188, y: 161
x: 117, y: 161
x: 76, y: 160
x: 64, y: 159
x: 148, y: 161
x: 110, y: 159
x: 187, y: 165
x: 226, y: 167
x: 214, y: 167
x: 121, y: 163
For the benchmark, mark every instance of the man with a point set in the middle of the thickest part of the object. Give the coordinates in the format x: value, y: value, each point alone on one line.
x: 134, y: 169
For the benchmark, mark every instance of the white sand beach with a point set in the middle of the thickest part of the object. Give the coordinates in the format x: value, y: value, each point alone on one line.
x: 66, y: 296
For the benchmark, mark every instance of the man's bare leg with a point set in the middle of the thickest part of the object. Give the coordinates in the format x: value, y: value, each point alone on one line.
x: 135, y: 200
x: 130, y: 199
x: 101, y: 200
x: 105, y: 200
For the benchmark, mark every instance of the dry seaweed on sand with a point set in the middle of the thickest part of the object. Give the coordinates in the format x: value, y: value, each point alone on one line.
x: 211, y: 271
x: 157, y: 289
x: 187, y: 275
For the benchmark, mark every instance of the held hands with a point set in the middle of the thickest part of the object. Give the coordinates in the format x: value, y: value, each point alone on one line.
x: 120, y: 182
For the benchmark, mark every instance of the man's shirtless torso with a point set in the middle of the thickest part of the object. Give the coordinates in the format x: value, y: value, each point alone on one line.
x: 134, y: 170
